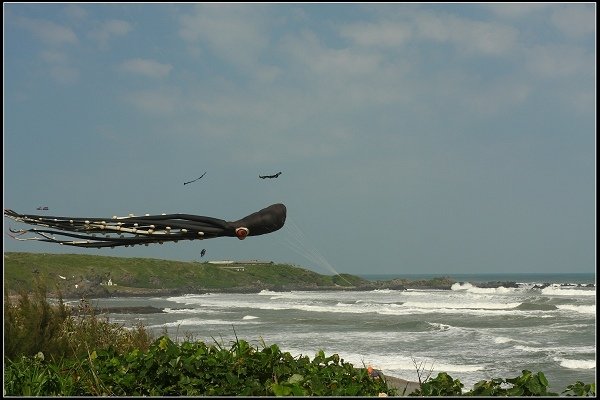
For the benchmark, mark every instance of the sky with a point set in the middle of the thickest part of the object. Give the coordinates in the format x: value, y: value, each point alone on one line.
x: 424, y: 138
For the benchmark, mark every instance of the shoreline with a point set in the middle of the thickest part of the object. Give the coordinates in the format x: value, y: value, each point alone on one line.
x: 103, y: 292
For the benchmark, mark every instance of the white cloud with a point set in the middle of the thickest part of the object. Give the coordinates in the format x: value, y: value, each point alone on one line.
x: 487, y: 38
x: 145, y: 67
x: 75, y: 12
x: 64, y: 74
x: 54, y: 37
x: 110, y: 29
x: 575, y: 20
x: 553, y: 61
x: 234, y: 32
x: 340, y: 64
x: 385, y: 34
x: 60, y: 67
x: 47, y: 31
x: 515, y: 10
x: 155, y: 102
x: 54, y: 57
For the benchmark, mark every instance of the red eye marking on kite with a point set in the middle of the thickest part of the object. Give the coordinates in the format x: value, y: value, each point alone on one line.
x: 241, y: 233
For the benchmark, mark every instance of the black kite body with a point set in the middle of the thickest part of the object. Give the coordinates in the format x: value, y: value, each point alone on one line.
x: 132, y: 230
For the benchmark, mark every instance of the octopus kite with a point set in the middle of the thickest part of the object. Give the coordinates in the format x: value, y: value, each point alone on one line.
x: 132, y: 230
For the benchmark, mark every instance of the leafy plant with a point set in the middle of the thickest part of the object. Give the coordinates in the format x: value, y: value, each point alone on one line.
x: 580, y: 389
x: 528, y: 384
x: 442, y: 385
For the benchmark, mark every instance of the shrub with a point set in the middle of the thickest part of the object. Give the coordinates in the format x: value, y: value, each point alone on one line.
x: 33, y: 326
x: 527, y: 384
x: 580, y: 389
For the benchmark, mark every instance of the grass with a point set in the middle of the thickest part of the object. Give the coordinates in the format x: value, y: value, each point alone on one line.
x: 32, y: 325
x: 21, y: 269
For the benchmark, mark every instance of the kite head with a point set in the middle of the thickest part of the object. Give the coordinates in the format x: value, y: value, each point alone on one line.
x: 241, y: 233
x: 265, y: 221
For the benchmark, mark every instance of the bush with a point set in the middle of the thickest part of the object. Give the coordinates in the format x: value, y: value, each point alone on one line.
x: 192, y: 369
x: 527, y: 384
x: 33, y: 326
x: 580, y: 389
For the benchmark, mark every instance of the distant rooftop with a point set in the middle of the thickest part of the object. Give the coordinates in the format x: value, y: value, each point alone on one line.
x: 245, y: 262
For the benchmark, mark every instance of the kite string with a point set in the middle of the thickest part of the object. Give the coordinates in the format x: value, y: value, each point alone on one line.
x: 296, y: 240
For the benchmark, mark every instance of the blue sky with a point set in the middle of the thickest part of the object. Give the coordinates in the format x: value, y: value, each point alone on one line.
x: 412, y: 138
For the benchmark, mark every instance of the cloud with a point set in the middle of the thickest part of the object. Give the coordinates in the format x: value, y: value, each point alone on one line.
x: 60, y: 68
x: 385, y: 34
x: 54, y: 38
x: 575, y: 20
x: 48, y: 32
x: 110, y: 29
x: 75, y: 12
x: 155, y: 102
x: 236, y: 33
x: 64, y: 74
x: 476, y: 37
x: 556, y: 60
x: 146, y: 67
x: 515, y: 10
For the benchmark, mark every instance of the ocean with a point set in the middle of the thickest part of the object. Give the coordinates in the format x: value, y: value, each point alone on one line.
x: 547, y: 323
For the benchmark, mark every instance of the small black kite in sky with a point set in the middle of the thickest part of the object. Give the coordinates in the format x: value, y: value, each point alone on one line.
x: 185, y: 183
x: 270, y: 176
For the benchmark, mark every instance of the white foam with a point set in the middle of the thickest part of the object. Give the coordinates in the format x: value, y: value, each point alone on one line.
x: 266, y: 292
x: 181, y: 310
x: 247, y: 317
x: 530, y: 349
x: 468, y: 287
x: 441, y: 327
x: 199, y: 322
x: 576, y: 364
x: 385, y: 291
x: 501, y: 339
x: 559, y: 290
x: 591, y: 309
x: 461, y: 306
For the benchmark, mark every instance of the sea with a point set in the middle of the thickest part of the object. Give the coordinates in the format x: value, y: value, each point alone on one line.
x: 547, y: 323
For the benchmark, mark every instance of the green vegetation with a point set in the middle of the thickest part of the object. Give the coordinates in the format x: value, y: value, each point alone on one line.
x: 135, y: 276
x: 64, y: 351
x: 32, y: 326
x: 56, y: 350
x: 528, y: 384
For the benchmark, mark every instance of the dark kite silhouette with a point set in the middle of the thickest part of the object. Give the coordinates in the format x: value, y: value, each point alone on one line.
x: 132, y: 230
x: 270, y: 176
x: 185, y: 183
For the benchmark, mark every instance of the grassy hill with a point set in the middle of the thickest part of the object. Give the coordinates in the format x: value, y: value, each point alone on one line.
x: 77, y: 275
